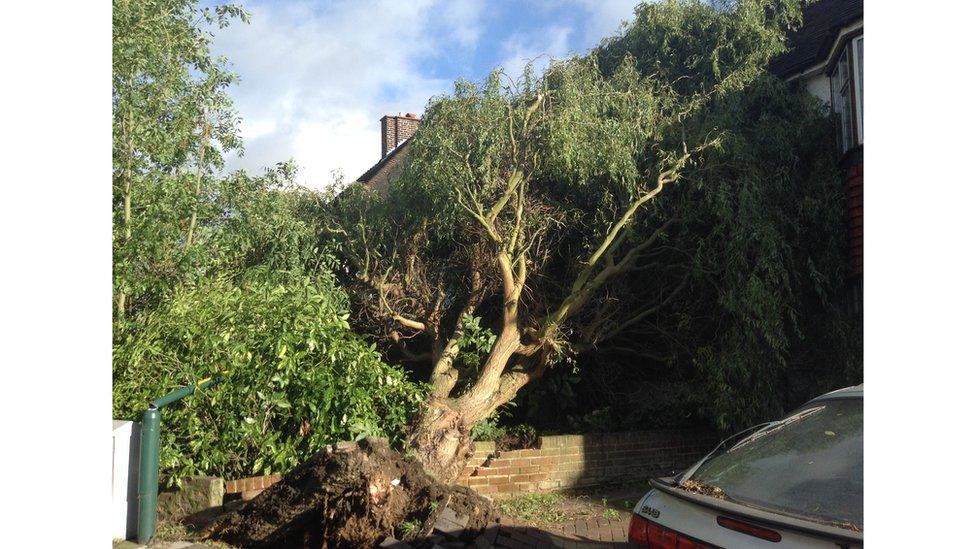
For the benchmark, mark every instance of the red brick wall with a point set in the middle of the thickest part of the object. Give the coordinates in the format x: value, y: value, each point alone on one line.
x: 569, y: 461
x: 253, y: 483
x: 250, y: 487
x: 564, y: 461
x: 854, y: 196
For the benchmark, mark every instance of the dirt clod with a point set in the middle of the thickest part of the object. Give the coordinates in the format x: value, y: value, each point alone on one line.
x: 351, y: 497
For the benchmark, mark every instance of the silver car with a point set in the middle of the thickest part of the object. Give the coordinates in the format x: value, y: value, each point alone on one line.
x: 796, y: 482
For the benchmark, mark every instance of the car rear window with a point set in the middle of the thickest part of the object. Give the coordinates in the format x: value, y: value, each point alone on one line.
x: 811, y: 464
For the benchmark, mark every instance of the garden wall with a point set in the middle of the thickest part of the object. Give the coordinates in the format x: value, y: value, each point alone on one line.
x: 573, y: 461
x: 562, y: 462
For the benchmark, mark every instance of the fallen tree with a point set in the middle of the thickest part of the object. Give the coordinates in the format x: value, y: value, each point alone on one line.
x: 500, y: 250
x: 537, y: 219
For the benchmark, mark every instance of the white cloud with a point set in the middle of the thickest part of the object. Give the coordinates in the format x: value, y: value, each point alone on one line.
x: 600, y: 18
x: 315, y: 78
x: 462, y: 19
x: 604, y: 17
x: 537, y: 48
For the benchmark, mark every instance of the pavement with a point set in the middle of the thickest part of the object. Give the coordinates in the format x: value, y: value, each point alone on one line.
x: 583, y: 533
x: 580, y: 534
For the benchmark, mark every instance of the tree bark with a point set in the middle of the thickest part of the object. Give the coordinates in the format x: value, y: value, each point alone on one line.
x: 120, y: 299
x: 441, y: 440
x: 204, y: 138
x: 441, y: 436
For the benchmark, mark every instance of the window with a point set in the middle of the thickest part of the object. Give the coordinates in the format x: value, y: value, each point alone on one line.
x: 846, y: 89
x: 810, y: 465
x: 859, y: 61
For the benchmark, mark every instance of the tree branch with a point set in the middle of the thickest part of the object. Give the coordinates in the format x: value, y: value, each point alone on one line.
x: 513, y: 182
x: 645, y: 313
x: 489, y: 229
x: 586, y: 282
x: 204, y: 138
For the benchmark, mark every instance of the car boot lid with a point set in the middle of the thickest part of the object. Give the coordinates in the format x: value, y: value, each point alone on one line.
x: 754, y: 514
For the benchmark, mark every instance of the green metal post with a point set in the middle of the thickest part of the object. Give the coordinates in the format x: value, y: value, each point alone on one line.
x: 148, y: 474
x: 149, y: 457
x: 173, y: 396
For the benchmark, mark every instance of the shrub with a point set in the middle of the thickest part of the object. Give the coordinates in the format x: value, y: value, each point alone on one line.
x: 489, y: 428
x: 506, y: 437
x: 295, y: 377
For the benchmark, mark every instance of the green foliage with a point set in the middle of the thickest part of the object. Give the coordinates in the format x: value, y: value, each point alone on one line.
x: 295, y: 378
x: 759, y: 234
x: 490, y: 428
x: 523, y: 434
x: 267, y: 223
x: 703, y: 47
x: 224, y: 273
x: 734, y: 292
x: 172, y: 117
x: 507, y: 437
x: 755, y: 233
x: 609, y: 513
x: 764, y: 219
x: 408, y: 529
x: 475, y: 342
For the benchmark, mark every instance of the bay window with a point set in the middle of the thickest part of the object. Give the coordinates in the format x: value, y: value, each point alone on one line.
x: 846, y: 94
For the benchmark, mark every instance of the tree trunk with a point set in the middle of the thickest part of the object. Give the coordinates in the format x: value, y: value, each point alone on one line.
x: 120, y: 299
x: 204, y: 138
x: 441, y: 440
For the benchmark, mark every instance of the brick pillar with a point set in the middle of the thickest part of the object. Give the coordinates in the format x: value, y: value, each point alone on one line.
x: 395, y: 130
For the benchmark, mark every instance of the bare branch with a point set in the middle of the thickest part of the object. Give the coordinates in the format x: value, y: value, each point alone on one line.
x: 643, y: 314
x: 513, y: 182
x: 408, y: 323
x: 489, y: 229
x: 589, y: 278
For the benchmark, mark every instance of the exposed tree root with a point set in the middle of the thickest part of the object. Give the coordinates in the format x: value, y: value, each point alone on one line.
x: 351, y: 497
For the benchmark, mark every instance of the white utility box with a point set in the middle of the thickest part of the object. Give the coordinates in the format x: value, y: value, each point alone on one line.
x: 125, y: 478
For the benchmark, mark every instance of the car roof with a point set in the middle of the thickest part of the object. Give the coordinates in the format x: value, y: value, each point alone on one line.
x: 855, y: 391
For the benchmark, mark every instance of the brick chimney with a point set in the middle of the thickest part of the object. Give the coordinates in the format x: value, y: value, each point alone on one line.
x: 395, y: 130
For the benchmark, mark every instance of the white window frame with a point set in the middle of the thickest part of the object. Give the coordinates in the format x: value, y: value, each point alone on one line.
x: 854, y: 135
x: 858, y: 70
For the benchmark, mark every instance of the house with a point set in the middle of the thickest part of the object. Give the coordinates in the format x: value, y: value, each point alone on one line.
x: 826, y: 58
x: 395, y: 134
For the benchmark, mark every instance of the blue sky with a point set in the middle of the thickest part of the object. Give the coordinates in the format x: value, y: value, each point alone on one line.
x: 316, y: 76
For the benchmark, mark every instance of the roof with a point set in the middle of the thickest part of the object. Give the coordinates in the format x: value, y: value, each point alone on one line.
x: 396, y: 155
x: 857, y: 391
x: 811, y: 43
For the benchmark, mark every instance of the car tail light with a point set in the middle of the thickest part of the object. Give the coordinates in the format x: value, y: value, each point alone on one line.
x: 652, y: 535
x: 750, y: 529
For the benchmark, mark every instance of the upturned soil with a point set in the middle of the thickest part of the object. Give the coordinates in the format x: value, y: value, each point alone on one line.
x: 351, y: 497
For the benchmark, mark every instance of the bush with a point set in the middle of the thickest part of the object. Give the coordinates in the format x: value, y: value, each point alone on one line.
x: 295, y: 377
x: 489, y: 428
x: 506, y: 437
